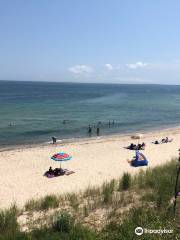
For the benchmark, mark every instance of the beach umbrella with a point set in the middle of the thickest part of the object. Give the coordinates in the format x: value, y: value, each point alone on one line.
x: 61, y: 157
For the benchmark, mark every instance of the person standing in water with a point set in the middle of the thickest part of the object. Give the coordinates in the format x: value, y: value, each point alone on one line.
x: 54, y: 139
x: 89, y: 130
x: 98, y: 130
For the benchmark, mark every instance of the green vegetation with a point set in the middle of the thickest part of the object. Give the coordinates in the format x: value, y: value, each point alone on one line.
x: 8, y: 221
x: 145, y: 217
x: 73, y: 200
x: 107, y: 191
x: 110, y: 212
x: 63, y: 228
x: 50, y: 201
x: 125, y: 182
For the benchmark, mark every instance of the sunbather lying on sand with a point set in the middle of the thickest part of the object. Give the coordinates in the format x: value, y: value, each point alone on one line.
x: 55, y: 173
x: 132, y: 146
x: 136, y: 147
x: 164, y: 140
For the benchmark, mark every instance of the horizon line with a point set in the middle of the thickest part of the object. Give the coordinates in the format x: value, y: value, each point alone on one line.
x: 103, y: 83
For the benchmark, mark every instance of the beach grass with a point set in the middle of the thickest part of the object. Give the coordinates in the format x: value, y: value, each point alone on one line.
x: 125, y: 182
x: 73, y: 200
x: 8, y: 221
x: 107, y: 191
x: 32, y: 205
x: 50, y: 201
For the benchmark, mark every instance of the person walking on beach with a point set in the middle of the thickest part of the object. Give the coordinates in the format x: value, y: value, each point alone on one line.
x: 89, y: 130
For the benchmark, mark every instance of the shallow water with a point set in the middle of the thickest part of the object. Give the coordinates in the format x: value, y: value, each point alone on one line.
x: 36, y: 110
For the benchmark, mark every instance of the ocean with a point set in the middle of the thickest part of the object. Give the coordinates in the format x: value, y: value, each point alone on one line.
x: 33, y: 112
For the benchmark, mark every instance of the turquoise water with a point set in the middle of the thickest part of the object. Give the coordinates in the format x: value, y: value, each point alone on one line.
x: 37, y: 110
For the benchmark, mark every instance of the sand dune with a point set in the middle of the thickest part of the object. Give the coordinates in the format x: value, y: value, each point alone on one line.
x: 94, y: 162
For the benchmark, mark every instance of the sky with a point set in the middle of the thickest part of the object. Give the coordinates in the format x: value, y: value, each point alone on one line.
x: 132, y: 41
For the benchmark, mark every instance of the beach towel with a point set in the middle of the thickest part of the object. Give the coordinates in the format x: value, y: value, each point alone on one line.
x: 69, y: 172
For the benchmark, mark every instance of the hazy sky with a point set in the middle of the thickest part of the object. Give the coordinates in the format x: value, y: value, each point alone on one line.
x: 90, y: 40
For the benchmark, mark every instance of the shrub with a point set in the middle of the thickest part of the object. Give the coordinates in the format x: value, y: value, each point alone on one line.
x: 64, y: 223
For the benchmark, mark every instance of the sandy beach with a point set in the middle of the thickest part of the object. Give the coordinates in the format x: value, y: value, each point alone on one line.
x: 94, y: 161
